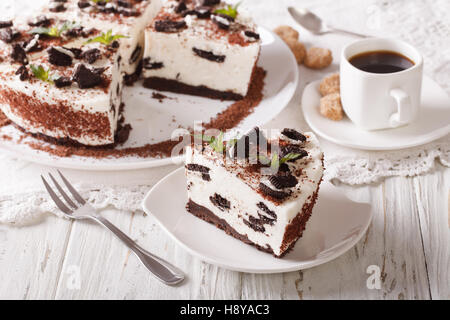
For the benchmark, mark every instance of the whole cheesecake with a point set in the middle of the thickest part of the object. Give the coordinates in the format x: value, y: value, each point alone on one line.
x: 263, y: 203
x: 62, y: 72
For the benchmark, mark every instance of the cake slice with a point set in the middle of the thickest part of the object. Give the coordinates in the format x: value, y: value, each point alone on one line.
x: 55, y: 84
x: 201, y: 47
x: 262, y: 192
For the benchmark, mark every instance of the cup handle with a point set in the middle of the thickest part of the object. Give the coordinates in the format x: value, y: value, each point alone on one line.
x: 405, y: 112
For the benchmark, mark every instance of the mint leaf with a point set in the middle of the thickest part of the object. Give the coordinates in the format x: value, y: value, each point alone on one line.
x: 217, y: 143
x: 40, y: 73
x: 275, y: 162
x: 106, y: 38
x: 97, y: 1
x: 55, y: 31
x: 289, y: 156
x: 230, y: 11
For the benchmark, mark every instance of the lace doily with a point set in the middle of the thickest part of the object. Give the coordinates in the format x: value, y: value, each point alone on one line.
x: 424, y: 23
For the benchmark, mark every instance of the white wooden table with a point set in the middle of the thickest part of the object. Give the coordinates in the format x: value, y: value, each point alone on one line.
x: 408, y: 242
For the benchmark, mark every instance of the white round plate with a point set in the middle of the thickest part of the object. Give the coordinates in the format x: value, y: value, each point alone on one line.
x: 154, y: 122
x: 336, y: 225
x: 433, y: 122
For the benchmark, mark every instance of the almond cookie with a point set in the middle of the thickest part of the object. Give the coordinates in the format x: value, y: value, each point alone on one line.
x: 298, y: 49
x: 330, y: 85
x: 318, y: 58
x: 331, y: 107
x: 286, y: 33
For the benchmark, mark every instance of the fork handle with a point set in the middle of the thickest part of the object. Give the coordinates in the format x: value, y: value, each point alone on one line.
x: 163, y: 270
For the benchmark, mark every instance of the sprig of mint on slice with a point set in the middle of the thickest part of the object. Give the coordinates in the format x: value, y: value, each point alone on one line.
x: 55, y: 31
x: 276, y: 162
x: 42, y: 74
x: 97, y: 1
x: 106, y: 38
x: 229, y: 10
x: 217, y: 143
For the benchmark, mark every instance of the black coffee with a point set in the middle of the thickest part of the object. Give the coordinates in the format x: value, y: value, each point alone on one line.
x: 381, y: 62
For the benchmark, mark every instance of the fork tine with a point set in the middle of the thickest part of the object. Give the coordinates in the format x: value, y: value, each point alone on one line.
x: 72, y: 189
x: 63, y: 193
x: 55, y: 198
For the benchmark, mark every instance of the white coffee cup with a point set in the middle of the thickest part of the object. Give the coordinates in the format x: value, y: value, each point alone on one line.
x: 381, y: 100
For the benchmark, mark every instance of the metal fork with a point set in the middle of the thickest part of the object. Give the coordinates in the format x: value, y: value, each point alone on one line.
x: 79, y: 209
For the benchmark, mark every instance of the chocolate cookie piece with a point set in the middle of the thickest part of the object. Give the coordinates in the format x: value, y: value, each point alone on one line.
x: 136, y: 54
x: 210, y: 2
x: 18, y: 54
x: 200, y: 12
x: 59, y: 57
x: 76, y: 52
x: 5, y: 24
x: 63, y: 82
x: 220, y: 202
x: 197, y: 168
x: 169, y: 25
x: 280, y: 195
x: 252, y: 34
x: 282, y: 181
x: 32, y: 44
x: 8, y: 35
x: 86, y: 78
x: 83, y: 4
x: 221, y: 21
x: 150, y: 65
x: 294, y: 149
x: 254, y: 225
x: 124, y: 3
x: 180, y: 7
x: 91, y: 55
x: 265, y: 209
x: 57, y: 7
x: 40, y: 21
x: 293, y: 134
x: 209, y: 55
x: 23, y: 72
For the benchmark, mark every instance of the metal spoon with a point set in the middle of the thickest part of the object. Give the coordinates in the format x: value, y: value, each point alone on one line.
x: 314, y: 24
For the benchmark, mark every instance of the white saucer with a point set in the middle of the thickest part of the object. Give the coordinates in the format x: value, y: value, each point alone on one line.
x: 154, y: 122
x: 336, y: 225
x: 433, y: 122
